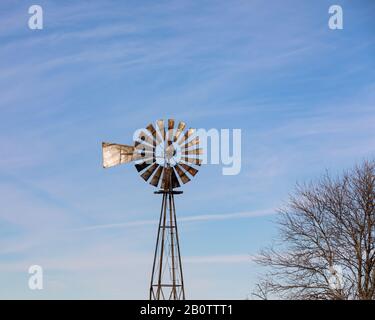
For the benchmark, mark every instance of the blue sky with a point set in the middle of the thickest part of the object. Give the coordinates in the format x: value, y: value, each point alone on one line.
x: 302, y: 94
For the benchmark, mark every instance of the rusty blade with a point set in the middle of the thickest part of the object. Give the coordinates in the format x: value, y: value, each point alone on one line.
x: 143, y: 165
x: 170, y: 124
x: 144, y: 151
x: 194, y: 151
x: 189, y: 169
x: 193, y: 142
x: 151, y: 128
x: 144, y: 157
x: 115, y: 154
x: 155, y: 179
x: 170, y: 131
x: 180, y: 128
x: 143, y: 147
x: 161, y: 127
x: 166, y: 178
x: 186, y: 136
x: 195, y: 161
x: 169, y: 180
x: 181, y: 173
x: 147, y: 174
x: 143, y: 137
x: 154, y: 133
x: 175, y: 183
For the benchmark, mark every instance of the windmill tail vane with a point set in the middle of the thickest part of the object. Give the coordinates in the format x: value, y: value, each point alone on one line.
x: 167, y: 157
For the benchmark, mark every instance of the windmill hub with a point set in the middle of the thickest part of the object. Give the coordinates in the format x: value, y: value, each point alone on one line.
x: 167, y: 154
x: 171, y: 154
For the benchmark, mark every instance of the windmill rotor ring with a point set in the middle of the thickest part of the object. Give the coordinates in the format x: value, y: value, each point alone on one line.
x: 165, y: 155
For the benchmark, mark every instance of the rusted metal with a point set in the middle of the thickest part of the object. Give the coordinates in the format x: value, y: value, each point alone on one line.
x: 198, y: 151
x: 154, y: 133
x: 147, y: 174
x: 189, y: 169
x: 170, y: 180
x: 160, y: 124
x: 175, y: 183
x: 145, y: 149
x: 172, y: 225
x: 115, y: 154
x: 165, y: 184
x: 180, y: 129
x: 143, y: 137
x: 162, y: 286
x: 195, y: 161
x: 142, y: 165
x: 170, y: 124
x: 182, y: 175
x: 193, y: 142
x: 170, y: 131
x: 155, y: 179
x: 186, y: 136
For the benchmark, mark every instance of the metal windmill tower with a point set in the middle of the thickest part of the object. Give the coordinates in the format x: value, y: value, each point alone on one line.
x: 166, y: 157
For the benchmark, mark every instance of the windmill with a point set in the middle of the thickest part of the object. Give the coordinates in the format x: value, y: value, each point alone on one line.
x: 164, y: 156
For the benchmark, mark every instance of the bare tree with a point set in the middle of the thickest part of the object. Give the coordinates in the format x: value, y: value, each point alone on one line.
x: 327, y: 247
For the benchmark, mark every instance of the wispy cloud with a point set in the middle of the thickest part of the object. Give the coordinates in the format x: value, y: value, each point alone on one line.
x: 197, y: 218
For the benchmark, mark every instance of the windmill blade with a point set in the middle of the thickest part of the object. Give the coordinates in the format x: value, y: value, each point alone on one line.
x: 165, y: 179
x: 143, y: 137
x: 115, y: 154
x: 169, y: 179
x: 193, y: 142
x: 143, y: 154
x: 141, y: 166
x: 138, y: 144
x: 144, y: 157
x: 141, y: 146
x: 186, y: 136
x: 194, y: 151
x: 170, y: 124
x: 180, y: 128
x: 165, y: 182
x: 170, y: 131
x: 175, y: 183
x: 189, y: 169
x: 144, y: 150
x: 181, y: 173
x: 195, y: 161
x: 154, y: 133
x: 161, y: 127
x: 155, y: 179
x: 147, y: 174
